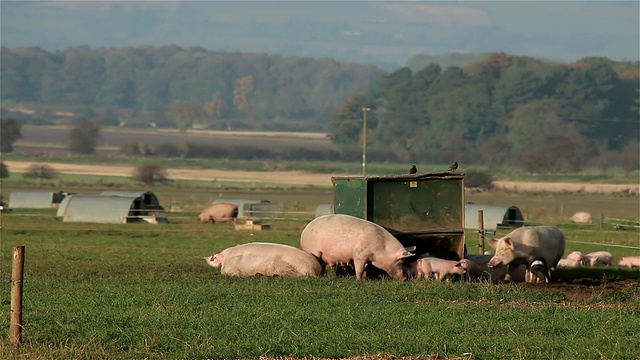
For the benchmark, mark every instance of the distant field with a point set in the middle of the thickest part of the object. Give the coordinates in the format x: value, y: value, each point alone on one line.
x: 55, y: 139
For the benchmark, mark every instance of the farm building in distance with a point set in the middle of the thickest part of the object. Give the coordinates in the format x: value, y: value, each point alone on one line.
x: 107, y: 209
x: 150, y: 199
x: 252, y: 209
x: 36, y: 199
x: 495, y: 216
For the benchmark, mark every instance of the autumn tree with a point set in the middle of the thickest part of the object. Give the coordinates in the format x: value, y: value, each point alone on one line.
x: 243, y: 86
x: 214, y: 107
x: 184, y: 113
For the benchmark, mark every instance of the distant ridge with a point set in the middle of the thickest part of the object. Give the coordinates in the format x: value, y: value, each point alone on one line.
x: 421, y: 61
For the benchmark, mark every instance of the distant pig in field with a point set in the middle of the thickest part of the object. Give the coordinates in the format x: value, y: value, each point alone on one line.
x: 575, y: 255
x: 569, y: 263
x: 597, y: 258
x: 629, y: 261
x: 526, y: 244
x: 265, y: 259
x: 440, y: 268
x: 339, y: 238
x: 218, y: 213
x: 581, y: 217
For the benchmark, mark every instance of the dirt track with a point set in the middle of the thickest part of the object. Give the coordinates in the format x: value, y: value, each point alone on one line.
x: 278, y: 177
x: 304, y: 178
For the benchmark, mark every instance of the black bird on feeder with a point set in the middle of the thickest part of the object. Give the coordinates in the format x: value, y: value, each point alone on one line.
x: 413, y: 170
x: 453, y: 166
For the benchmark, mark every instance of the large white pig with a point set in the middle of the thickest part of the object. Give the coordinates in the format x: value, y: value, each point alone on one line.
x: 440, y: 268
x: 339, y: 238
x: 526, y: 244
x: 218, y: 213
x: 629, y: 261
x: 569, y: 263
x: 581, y: 217
x: 265, y: 259
x: 597, y: 258
x: 575, y: 255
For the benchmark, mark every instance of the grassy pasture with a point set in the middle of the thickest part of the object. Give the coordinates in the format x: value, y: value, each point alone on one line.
x: 143, y: 291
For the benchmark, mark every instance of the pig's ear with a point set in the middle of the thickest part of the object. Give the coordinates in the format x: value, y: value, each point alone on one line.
x: 493, y: 242
x: 406, y: 254
x: 209, y: 260
x: 509, y: 242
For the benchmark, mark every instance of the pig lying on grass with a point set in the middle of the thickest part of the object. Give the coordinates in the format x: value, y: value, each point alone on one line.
x: 629, y: 261
x: 597, y: 258
x: 265, y: 259
x: 338, y: 239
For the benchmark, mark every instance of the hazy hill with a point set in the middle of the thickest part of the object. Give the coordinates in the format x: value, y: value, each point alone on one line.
x: 385, y: 33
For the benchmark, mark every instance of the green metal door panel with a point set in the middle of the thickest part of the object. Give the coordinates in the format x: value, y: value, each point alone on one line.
x: 349, y: 196
x: 417, y: 206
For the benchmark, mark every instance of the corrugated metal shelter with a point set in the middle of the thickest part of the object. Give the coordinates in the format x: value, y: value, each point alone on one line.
x: 248, y: 208
x: 495, y: 216
x: 103, y: 209
x: 149, y: 198
x: 36, y: 199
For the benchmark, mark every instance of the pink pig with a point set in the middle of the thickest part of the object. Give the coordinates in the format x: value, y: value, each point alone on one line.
x: 266, y: 259
x: 339, y: 238
x: 440, y: 268
x: 629, y: 261
x: 597, y: 258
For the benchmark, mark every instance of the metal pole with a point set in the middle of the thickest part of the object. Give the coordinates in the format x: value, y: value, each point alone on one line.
x: 481, y: 229
x: 17, y: 269
x: 364, y: 140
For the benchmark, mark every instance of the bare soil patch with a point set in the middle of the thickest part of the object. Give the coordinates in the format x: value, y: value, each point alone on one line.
x: 276, y: 177
x: 530, y: 186
x: 583, y: 288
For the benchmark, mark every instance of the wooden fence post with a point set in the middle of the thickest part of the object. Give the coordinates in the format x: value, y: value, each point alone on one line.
x: 481, y: 229
x: 17, y: 270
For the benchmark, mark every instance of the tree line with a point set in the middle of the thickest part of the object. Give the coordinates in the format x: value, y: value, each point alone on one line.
x: 177, y: 87
x: 502, y: 110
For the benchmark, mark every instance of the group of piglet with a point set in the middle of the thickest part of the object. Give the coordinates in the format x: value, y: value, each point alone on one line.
x: 342, y: 241
x: 597, y: 258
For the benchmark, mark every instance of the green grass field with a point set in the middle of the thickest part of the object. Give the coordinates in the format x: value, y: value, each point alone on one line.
x: 96, y: 291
